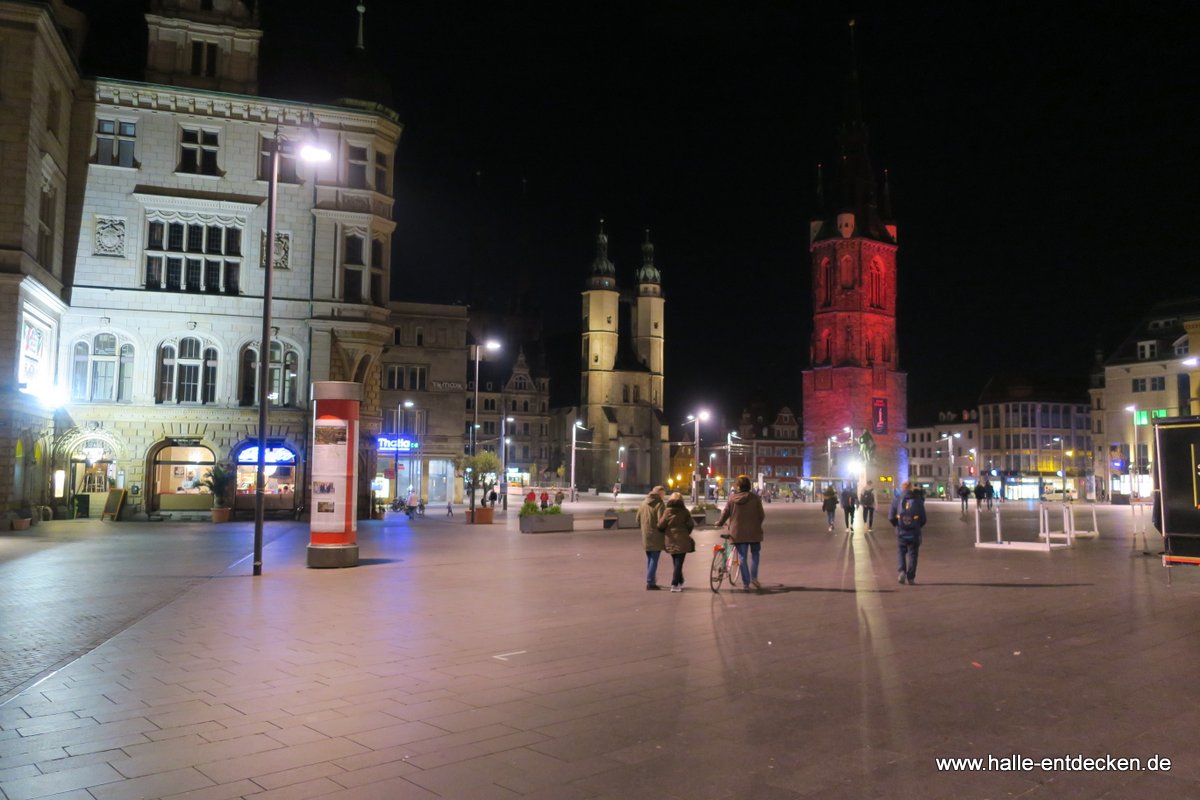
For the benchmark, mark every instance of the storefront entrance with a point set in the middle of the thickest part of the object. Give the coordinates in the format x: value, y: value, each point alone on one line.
x: 279, y: 496
x: 176, y: 475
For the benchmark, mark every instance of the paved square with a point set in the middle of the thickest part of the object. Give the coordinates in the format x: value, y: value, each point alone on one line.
x: 477, y: 662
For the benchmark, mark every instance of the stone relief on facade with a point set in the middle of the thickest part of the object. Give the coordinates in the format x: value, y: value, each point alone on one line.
x: 110, y: 237
x: 283, y: 249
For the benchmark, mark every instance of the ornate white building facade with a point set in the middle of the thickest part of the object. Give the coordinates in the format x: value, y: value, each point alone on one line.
x: 136, y: 272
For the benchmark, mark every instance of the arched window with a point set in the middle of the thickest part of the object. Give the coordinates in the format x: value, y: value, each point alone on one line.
x: 847, y: 272
x: 102, y: 370
x: 520, y: 383
x: 283, y: 375
x: 187, y: 372
x: 875, y: 285
x: 827, y: 287
x: 637, y: 394
x: 625, y: 393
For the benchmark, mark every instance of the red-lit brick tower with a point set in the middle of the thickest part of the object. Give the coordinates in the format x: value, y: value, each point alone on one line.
x: 854, y: 380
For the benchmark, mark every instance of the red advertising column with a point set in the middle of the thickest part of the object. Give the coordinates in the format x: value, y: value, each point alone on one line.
x: 333, y: 469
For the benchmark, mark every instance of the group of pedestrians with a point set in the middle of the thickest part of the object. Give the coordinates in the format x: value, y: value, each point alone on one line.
x: 851, y: 501
x: 666, y: 525
x: 983, y: 492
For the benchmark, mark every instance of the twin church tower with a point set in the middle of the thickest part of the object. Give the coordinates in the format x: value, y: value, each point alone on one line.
x: 621, y: 391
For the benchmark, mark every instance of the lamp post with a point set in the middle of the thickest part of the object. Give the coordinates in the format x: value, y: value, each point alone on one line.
x: 490, y: 344
x: 574, y: 429
x: 728, y: 460
x: 504, y: 462
x: 309, y: 152
x: 702, y: 415
x: 950, y: 437
x: 1135, y: 465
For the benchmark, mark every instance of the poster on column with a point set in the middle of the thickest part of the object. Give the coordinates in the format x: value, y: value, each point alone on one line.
x: 330, y: 489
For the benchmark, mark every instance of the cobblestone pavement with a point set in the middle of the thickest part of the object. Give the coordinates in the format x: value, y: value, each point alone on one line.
x: 476, y: 662
x: 66, y: 586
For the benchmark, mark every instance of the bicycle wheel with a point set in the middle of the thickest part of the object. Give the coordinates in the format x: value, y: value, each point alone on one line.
x: 717, y: 573
x: 732, y: 569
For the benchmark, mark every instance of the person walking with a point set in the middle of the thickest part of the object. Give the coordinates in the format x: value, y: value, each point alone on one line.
x: 531, y: 497
x: 449, y: 508
x: 867, y: 501
x: 907, y: 515
x: 964, y: 495
x: 545, y: 498
x: 745, y: 515
x: 676, y: 525
x: 849, y: 503
x: 989, y: 492
x: 829, y: 505
x: 980, y: 493
x: 648, y: 516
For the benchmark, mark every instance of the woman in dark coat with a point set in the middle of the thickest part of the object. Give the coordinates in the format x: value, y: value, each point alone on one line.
x: 829, y: 505
x: 744, y: 513
x: 676, y: 525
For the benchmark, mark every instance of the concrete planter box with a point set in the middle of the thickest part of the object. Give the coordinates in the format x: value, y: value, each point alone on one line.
x: 711, y: 516
x: 620, y: 519
x: 547, y: 523
x: 480, y: 516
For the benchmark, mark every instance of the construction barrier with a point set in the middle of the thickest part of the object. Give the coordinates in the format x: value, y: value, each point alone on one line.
x: 1000, y: 544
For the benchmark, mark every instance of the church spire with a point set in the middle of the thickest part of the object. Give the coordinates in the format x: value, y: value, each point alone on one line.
x: 648, y: 273
x: 602, y: 274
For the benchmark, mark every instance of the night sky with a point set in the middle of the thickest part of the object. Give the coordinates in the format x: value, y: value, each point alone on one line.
x: 1043, y: 164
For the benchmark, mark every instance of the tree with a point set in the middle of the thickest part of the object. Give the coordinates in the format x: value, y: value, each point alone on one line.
x: 476, y: 470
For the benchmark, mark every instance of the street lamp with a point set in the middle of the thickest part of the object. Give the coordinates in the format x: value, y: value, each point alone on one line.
x: 309, y: 151
x: 830, y: 442
x: 574, y: 429
x: 703, y: 415
x: 504, y: 462
x: 1135, y: 466
x: 950, y: 437
x: 490, y: 344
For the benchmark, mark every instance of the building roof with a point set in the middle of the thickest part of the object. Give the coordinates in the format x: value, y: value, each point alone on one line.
x: 1162, y: 324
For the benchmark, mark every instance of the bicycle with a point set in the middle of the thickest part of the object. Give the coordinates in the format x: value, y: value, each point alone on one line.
x: 725, y: 564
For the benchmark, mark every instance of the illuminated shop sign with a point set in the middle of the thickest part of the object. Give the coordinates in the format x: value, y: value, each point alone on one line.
x: 390, y: 444
x: 275, y: 455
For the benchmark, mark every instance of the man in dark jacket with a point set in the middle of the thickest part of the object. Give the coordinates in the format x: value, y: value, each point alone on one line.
x: 745, y: 515
x: 907, y: 516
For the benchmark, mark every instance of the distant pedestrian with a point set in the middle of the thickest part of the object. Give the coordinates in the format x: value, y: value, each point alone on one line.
x: 745, y: 515
x: 989, y: 492
x: 545, y: 498
x: 676, y: 525
x: 531, y: 497
x: 829, y: 505
x: 849, y: 503
x: 907, y: 515
x: 867, y: 501
x: 559, y: 497
x: 964, y: 495
x: 449, y: 508
x: 492, y: 497
x: 616, y: 490
x: 649, y: 515
x: 980, y: 492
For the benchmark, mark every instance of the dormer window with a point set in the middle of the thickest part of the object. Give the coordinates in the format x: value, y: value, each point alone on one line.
x: 1147, y: 350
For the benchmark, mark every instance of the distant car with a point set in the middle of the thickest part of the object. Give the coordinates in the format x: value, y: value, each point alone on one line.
x: 1059, y: 495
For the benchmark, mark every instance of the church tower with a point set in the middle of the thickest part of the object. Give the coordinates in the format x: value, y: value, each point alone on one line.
x: 601, y: 301
x: 648, y: 321
x: 854, y: 379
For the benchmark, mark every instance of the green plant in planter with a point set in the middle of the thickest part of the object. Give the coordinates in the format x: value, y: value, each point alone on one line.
x: 530, y: 509
x: 219, y: 480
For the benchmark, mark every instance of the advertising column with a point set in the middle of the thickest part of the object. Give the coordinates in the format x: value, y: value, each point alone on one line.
x: 333, y: 534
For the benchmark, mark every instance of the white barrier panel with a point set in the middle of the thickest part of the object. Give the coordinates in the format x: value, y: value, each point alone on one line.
x: 1086, y: 533
x: 1000, y: 544
x: 1044, y: 531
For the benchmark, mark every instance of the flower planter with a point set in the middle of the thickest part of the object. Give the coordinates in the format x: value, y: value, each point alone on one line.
x: 20, y: 523
x: 480, y: 516
x: 547, y: 523
x: 221, y: 514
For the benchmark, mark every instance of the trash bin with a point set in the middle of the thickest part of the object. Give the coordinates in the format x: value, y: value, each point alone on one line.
x: 82, y: 503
